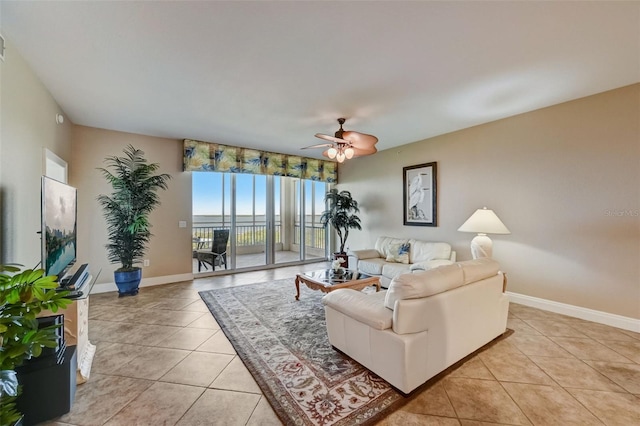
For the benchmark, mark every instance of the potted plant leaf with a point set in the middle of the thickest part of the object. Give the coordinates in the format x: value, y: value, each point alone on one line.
x: 135, y: 185
x: 341, y: 214
x: 23, y: 295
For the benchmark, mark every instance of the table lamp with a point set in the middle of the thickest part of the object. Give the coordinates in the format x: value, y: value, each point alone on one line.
x: 484, y: 221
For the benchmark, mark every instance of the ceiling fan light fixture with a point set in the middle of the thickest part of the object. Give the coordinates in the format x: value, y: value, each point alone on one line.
x: 349, y: 153
x: 346, y: 144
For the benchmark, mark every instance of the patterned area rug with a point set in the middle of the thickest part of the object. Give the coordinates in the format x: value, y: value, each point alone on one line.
x: 284, y: 344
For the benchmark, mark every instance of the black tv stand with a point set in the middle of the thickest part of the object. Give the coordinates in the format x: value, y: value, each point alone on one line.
x: 55, y: 369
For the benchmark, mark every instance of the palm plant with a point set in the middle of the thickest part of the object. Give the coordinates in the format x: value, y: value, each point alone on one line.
x: 341, y: 214
x: 23, y: 295
x: 127, y: 210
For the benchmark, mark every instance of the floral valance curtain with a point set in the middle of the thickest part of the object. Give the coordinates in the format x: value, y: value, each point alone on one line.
x: 213, y: 157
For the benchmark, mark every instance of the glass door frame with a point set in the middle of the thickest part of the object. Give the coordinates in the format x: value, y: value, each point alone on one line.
x: 229, y: 183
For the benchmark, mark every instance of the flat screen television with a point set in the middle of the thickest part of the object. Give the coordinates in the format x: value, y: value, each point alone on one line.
x: 59, y: 223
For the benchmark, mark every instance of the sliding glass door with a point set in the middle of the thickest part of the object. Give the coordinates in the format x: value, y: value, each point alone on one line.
x: 250, y: 219
x: 310, y: 238
x: 271, y: 219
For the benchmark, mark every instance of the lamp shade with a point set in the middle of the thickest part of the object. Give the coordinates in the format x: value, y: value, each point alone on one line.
x: 484, y: 221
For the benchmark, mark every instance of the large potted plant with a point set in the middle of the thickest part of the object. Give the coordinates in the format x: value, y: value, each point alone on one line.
x: 23, y: 295
x: 341, y: 214
x: 135, y: 185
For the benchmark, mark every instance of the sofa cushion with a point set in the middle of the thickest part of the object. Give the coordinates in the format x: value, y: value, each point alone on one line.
x: 366, y: 308
x: 423, y: 250
x: 423, y: 283
x: 371, y: 266
x: 478, y: 269
x: 399, y: 253
x: 383, y: 244
x: 429, y: 264
x: 390, y: 270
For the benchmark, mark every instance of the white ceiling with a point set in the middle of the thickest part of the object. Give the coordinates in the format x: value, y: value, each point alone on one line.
x: 269, y: 75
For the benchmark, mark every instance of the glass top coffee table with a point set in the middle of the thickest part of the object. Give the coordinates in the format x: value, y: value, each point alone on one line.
x: 327, y: 280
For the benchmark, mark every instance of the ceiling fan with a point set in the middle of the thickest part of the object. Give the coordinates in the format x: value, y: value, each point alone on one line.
x: 346, y: 144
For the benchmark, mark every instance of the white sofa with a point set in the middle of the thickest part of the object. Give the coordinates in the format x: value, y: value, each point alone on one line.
x: 377, y: 262
x: 425, y: 322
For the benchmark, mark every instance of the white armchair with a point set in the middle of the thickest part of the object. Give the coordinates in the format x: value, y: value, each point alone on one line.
x: 425, y: 322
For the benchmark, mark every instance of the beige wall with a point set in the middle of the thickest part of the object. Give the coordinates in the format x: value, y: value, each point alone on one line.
x: 28, y: 127
x: 170, y: 249
x: 560, y: 178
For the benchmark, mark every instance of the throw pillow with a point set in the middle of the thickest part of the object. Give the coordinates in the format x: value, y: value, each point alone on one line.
x: 399, y: 253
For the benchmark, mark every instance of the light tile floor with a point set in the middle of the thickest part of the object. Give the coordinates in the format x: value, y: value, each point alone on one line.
x: 162, y: 359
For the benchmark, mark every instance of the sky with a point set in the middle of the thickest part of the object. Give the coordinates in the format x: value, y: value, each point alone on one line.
x: 207, y: 193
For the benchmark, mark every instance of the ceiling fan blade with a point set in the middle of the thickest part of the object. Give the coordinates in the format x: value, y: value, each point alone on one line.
x: 320, y: 145
x: 331, y: 138
x: 360, y: 140
x: 361, y: 152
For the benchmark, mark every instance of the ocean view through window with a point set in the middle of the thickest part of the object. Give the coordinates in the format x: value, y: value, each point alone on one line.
x: 265, y: 214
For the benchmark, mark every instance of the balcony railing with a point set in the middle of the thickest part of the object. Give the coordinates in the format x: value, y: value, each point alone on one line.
x: 314, y: 235
x: 256, y: 234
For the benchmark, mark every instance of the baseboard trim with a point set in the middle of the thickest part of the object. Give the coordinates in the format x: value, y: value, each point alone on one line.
x: 600, y: 317
x: 146, y: 282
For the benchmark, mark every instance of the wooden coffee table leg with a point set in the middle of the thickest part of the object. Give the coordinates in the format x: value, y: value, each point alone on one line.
x: 297, y: 288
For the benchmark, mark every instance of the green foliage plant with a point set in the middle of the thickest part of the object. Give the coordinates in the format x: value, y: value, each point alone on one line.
x: 127, y: 209
x: 341, y: 214
x: 23, y: 295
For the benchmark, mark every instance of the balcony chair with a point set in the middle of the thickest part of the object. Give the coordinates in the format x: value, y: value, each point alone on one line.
x: 217, y: 255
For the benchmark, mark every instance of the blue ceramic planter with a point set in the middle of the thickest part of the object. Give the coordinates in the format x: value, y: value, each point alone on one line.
x: 128, y: 282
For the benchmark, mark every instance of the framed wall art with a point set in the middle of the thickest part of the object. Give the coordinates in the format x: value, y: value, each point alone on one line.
x: 420, y: 198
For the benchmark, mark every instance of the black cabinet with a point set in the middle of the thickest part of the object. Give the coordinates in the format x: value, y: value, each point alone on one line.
x: 49, y: 381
